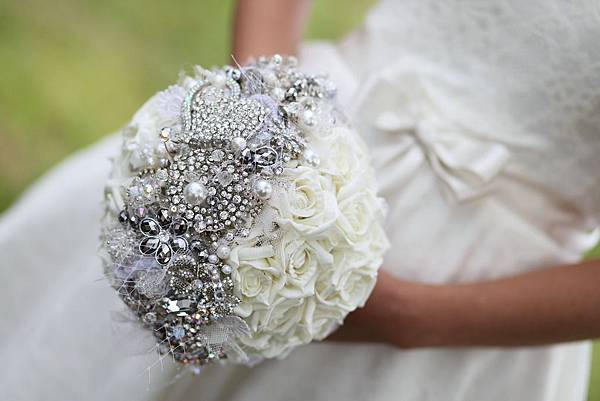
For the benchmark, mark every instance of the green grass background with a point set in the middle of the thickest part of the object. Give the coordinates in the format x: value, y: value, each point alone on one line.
x: 72, y: 71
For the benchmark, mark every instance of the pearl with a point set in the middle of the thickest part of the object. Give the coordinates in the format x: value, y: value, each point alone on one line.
x: 307, y: 118
x: 213, y: 258
x: 226, y: 269
x: 278, y: 94
x: 195, y: 193
x: 223, y: 251
x: 238, y: 144
x: 263, y: 189
x: 311, y: 158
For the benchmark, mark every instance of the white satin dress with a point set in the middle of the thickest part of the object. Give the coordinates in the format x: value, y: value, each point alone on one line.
x: 484, y: 122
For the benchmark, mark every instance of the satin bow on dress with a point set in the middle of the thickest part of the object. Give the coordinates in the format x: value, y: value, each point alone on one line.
x: 411, y: 106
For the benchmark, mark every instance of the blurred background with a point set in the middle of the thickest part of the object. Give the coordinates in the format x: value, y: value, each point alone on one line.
x: 73, y: 71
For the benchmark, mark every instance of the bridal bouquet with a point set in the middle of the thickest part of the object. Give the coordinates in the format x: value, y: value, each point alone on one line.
x: 241, y: 214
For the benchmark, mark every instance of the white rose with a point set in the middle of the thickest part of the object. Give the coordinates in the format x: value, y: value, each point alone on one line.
x: 309, y: 205
x: 357, y: 212
x: 344, y: 157
x: 301, y: 260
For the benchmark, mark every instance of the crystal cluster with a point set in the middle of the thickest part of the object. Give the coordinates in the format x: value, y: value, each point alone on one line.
x: 239, y: 128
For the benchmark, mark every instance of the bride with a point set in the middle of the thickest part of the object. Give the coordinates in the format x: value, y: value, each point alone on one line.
x: 483, y: 119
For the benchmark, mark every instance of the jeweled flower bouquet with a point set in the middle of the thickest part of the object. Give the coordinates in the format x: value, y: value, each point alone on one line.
x: 242, y: 219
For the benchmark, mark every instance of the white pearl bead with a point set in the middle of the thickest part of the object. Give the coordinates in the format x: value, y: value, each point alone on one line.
x: 238, y: 144
x: 263, y: 189
x: 307, y: 118
x: 311, y: 157
x: 213, y: 259
x: 223, y: 251
x: 278, y: 94
x: 195, y: 193
x: 226, y: 269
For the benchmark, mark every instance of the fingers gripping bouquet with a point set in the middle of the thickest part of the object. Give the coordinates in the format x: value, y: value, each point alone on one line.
x: 241, y: 214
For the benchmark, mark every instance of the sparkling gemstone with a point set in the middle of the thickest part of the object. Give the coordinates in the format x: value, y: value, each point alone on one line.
x: 164, y: 236
x: 217, y: 155
x: 163, y: 254
x: 149, y: 227
x: 238, y: 144
x: 224, y: 178
x: 179, y: 244
x: 179, y: 226
x: 199, y: 226
x: 178, y: 332
x: 123, y: 216
x: 219, y: 295
x: 163, y: 217
x: 149, y: 318
x: 149, y: 245
x: 197, y: 284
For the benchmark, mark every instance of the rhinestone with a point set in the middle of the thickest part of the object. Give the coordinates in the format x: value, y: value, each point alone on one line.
x: 149, y: 227
x: 149, y: 318
x: 178, y: 332
x: 179, y: 244
x: 163, y: 254
x: 217, y: 155
x: 123, y: 217
x: 149, y: 245
x: 224, y: 178
x: 164, y: 236
x: 179, y: 226
x: 199, y: 226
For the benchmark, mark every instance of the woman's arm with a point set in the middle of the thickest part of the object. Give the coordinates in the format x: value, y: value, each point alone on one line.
x: 549, y: 306
x: 266, y: 27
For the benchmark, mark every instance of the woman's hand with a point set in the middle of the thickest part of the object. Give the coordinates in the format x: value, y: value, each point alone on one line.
x: 547, y: 306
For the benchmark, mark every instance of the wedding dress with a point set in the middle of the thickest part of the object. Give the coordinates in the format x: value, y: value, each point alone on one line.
x: 483, y: 118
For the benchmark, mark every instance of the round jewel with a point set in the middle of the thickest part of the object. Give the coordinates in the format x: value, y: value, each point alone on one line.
x: 263, y: 189
x: 195, y: 193
x: 213, y: 258
x: 223, y: 251
x: 149, y: 318
x: 311, y: 158
x: 226, y: 269
x: 178, y: 332
x: 307, y: 118
x: 238, y: 144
